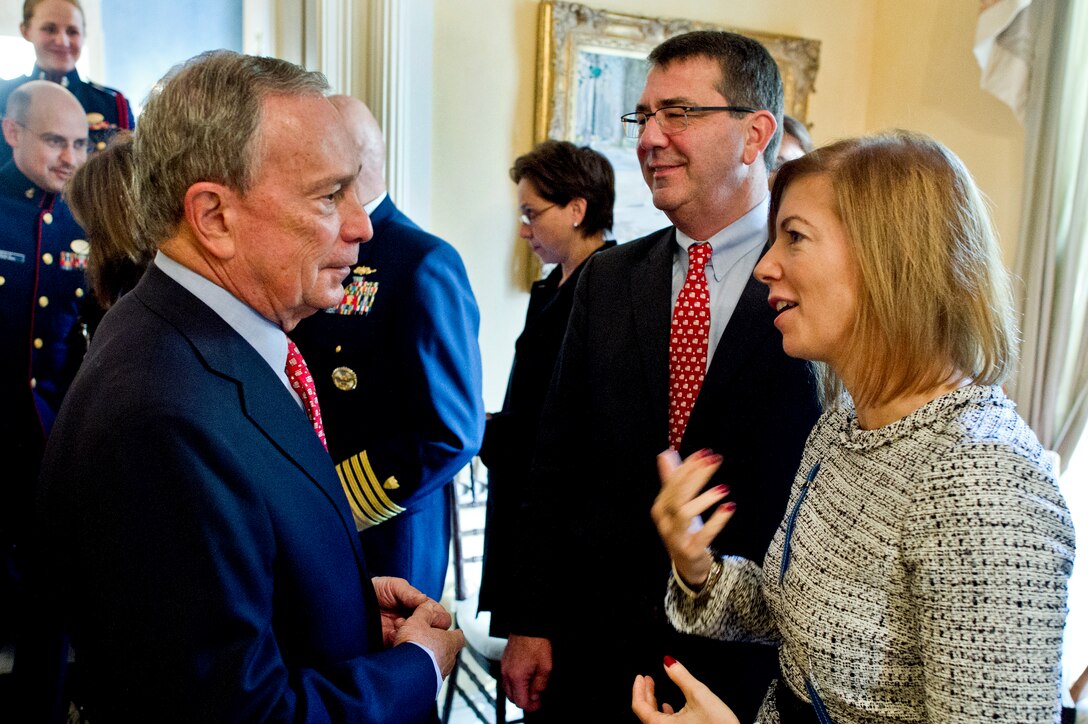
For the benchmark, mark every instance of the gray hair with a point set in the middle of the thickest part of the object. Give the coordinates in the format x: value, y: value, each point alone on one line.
x: 202, y: 123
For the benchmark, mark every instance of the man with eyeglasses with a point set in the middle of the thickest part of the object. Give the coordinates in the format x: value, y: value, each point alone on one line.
x: 42, y: 291
x: 642, y: 369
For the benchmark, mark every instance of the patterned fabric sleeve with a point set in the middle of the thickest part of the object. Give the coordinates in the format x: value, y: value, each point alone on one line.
x: 989, y: 543
x: 730, y: 607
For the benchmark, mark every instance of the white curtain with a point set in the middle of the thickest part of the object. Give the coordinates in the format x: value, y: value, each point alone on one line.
x: 1051, y: 386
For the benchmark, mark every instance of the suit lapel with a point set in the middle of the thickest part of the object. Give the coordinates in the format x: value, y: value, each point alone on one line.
x: 744, y: 335
x: 651, y: 302
x: 265, y: 401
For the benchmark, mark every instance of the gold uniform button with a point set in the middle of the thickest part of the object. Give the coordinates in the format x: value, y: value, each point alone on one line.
x: 33, y: 383
x: 79, y: 292
x: 30, y: 193
x: 47, y: 217
x: 344, y: 378
x: 2, y: 280
x: 38, y: 343
x: 47, y: 258
x: 43, y: 301
x: 100, y: 145
x: 338, y: 348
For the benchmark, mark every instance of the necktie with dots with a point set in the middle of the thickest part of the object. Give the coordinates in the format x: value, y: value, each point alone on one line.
x: 688, y: 343
x: 298, y: 374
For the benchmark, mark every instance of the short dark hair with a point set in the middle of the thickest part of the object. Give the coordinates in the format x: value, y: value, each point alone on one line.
x: 750, y: 76
x: 561, y: 171
x: 793, y: 127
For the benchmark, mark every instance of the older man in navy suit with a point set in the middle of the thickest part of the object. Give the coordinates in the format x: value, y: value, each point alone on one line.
x: 397, y: 367
x: 201, y: 550
x: 706, y: 130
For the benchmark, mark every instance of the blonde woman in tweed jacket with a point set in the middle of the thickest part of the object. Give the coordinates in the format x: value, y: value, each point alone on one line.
x: 920, y: 574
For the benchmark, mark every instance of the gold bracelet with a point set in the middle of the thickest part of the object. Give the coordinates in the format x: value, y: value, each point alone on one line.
x: 687, y: 588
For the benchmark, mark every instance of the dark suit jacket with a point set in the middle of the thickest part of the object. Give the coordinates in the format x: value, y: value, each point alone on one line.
x: 201, y: 550
x: 510, y: 436
x: 416, y: 414
x: 597, y: 568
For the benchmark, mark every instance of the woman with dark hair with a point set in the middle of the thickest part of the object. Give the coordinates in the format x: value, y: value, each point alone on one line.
x: 565, y: 194
x: 796, y: 141
x: 56, y: 28
x: 920, y: 573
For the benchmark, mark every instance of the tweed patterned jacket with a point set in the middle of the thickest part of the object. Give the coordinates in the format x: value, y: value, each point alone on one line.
x: 925, y: 574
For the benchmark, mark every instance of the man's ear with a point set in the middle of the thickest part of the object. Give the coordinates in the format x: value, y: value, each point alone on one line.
x: 208, y: 213
x: 760, y: 130
x: 11, y: 132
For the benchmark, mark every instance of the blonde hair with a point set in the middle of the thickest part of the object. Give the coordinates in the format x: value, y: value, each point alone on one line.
x: 934, y: 296
x: 29, y: 6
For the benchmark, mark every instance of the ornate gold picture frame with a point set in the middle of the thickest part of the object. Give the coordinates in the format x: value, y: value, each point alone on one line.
x: 590, y: 69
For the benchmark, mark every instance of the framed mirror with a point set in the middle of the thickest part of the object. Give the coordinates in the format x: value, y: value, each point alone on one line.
x: 591, y: 67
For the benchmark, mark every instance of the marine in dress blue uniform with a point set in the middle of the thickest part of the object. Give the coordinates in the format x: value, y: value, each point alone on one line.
x: 107, y: 109
x: 397, y: 367
x: 42, y: 289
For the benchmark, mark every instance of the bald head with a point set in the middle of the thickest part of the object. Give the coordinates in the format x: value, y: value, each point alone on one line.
x: 367, y: 134
x: 46, y: 128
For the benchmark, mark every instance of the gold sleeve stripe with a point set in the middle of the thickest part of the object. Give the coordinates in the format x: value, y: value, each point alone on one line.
x: 364, y: 515
x: 388, y: 504
x: 367, y: 489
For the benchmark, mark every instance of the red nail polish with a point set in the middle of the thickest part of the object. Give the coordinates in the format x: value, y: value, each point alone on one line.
x: 728, y: 507
x: 669, y: 661
x: 722, y: 489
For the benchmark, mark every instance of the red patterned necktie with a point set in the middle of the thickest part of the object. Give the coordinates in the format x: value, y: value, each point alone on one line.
x: 298, y: 374
x: 688, y: 343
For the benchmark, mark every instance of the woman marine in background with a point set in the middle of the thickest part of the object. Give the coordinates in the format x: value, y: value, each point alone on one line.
x: 56, y: 29
x: 920, y: 573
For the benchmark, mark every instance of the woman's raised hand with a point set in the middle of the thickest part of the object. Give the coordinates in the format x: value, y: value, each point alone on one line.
x: 678, y: 508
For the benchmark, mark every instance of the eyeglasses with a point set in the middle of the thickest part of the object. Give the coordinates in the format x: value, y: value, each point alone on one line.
x: 55, y: 141
x: 528, y: 216
x: 670, y: 119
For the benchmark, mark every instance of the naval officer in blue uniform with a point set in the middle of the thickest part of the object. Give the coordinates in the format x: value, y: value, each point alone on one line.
x: 56, y: 29
x: 42, y: 290
x: 397, y: 366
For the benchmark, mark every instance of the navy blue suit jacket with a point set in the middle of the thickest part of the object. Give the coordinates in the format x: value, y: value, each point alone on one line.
x: 407, y: 334
x: 594, y: 479
x: 202, y: 553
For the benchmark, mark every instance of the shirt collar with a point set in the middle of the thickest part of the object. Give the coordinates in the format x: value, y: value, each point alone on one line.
x: 740, y: 233
x: 369, y: 207
x: 261, y: 334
